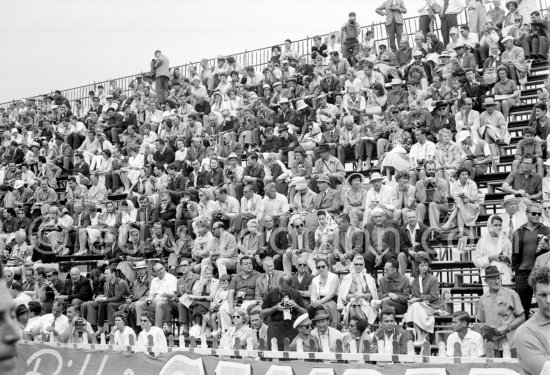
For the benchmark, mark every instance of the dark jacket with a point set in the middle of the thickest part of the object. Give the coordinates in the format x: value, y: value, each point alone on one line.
x: 165, y: 157
x: 422, y: 237
x: 517, y: 243
x: 82, y: 291
x: 400, y: 335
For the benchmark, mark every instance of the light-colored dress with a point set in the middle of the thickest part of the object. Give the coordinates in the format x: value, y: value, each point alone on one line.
x: 358, y: 283
x: 135, y: 162
x: 123, y: 338
x: 398, y: 155
x: 468, y: 212
x: 354, y: 204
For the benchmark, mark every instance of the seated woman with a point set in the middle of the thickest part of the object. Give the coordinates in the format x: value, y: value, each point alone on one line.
x: 310, y: 343
x: 424, y: 299
x: 240, y: 329
x: 203, y: 294
x: 201, y: 246
x: 396, y: 157
x: 325, y: 237
x: 466, y: 209
x: 182, y: 249
x: 356, y: 291
x: 148, y: 329
x: 359, y: 332
x: 506, y: 91
x: 494, y: 249
x: 355, y: 199
x: 310, y: 140
x: 128, y: 217
x: 323, y: 291
x: 122, y: 331
x: 250, y: 245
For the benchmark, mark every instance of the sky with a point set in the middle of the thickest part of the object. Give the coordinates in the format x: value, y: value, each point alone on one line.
x: 60, y: 44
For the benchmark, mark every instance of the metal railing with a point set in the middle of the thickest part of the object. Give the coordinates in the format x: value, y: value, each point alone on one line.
x: 259, y: 58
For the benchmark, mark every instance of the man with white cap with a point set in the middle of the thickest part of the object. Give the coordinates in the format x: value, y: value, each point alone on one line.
x: 304, y: 199
x: 431, y: 194
x: 397, y: 96
x: 328, y: 199
x: 380, y: 196
x: 286, y: 113
x: 21, y: 194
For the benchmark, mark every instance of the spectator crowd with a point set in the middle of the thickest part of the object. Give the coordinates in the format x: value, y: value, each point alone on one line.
x: 216, y: 201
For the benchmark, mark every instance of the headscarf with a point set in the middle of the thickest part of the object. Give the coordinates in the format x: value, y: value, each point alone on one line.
x: 545, y: 94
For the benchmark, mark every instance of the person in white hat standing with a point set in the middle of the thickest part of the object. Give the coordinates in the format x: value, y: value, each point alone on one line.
x: 512, y: 218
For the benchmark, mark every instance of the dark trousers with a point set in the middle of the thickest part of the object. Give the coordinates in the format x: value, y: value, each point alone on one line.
x: 75, y: 140
x: 161, y: 85
x: 112, y: 181
x: 350, y: 50
x: 447, y: 22
x: 524, y: 290
x: 394, y: 31
x: 424, y: 25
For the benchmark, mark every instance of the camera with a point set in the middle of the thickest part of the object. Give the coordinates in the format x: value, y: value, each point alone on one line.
x: 80, y: 326
x: 239, y: 298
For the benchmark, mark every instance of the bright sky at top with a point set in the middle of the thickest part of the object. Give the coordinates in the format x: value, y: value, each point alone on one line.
x: 59, y: 44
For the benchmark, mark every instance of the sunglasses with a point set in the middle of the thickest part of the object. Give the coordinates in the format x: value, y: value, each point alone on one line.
x: 302, y: 265
x: 236, y: 316
x: 536, y: 213
x: 321, y: 267
x: 299, y: 226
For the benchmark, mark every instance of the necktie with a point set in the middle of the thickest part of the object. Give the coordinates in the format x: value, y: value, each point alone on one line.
x: 258, y: 335
x: 403, y: 201
x: 268, y: 283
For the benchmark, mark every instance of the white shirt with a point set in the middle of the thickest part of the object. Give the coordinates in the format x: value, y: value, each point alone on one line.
x: 486, y: 150
x: 159, y: 340
x: 61, y: 323
x: 276, y: 206
x: 383, y: 196
x: 124, y: 337
x: 472, y: 345
x: 413, y: 233
x: 419, y: 151
x: 168, y: 284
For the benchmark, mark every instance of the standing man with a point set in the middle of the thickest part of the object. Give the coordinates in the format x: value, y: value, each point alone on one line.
x: 393, y: 10
x: 526, y: 245
x: 532, y: 337
x: 501, y: 309
x: 350, y: 35
x: 449, y: 16
x: 161, y: 66
x: 282, y: 305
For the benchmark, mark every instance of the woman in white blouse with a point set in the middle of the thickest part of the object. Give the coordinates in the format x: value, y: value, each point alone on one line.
x: 135, y: 164
x: 127, y: 218
x: 494, y: 249
x: 148, y: 329
x: 323, y: 291
x: 240, y: 329
x: 465, y: 194
x: 122, y: 331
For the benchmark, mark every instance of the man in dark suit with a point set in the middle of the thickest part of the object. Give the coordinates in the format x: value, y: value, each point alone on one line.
x: 414, y: 237
x: 331, y: 137
x: 330, y: 85
x: 328, y: 199
x: 81, y: 169
x: 177, y: 183
x: 81, y: 219
x: 167, y: 210
x: 76, y: 289
x: 17, y: 155
x: 230, y: 146
x: 302, y: 241
x: 163, y: 155
x: 146, y: 215
x: 64, y: 153
x: 196, y: 176
x: 351, y: 240
x: 273, y: 243
x: 215, y: 176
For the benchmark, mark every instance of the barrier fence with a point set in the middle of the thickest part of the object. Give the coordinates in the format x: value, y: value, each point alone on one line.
x: 258, y: 58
